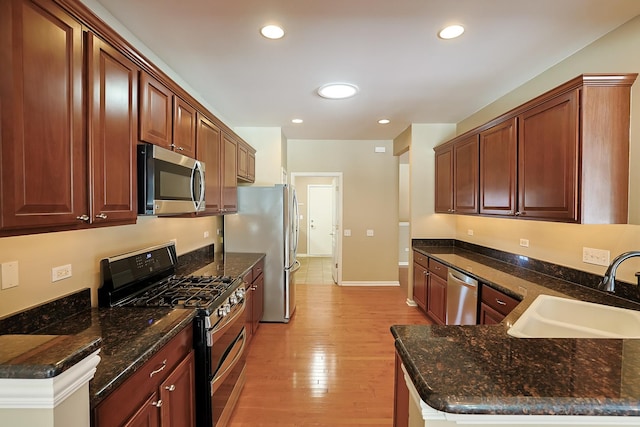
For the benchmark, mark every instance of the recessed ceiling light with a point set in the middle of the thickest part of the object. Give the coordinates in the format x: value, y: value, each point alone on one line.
x: 297, y: 121
x: 273, y: 32
x: 384, y: 121
x: 338, y: 90
x: 451, y: 32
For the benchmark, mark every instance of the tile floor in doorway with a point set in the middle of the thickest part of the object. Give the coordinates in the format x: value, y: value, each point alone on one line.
x: 314, y: 271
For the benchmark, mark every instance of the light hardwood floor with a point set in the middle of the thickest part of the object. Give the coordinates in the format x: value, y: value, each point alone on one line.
x: 332, y: 365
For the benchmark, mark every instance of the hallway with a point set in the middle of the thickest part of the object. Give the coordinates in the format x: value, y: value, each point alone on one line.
x: 314, y: 271
x: 332, y: 365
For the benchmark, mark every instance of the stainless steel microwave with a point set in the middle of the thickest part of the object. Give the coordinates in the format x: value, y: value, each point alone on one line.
x: 168, y: 182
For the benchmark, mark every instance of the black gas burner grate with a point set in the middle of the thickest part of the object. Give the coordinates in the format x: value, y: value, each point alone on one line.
x: 183, y: 292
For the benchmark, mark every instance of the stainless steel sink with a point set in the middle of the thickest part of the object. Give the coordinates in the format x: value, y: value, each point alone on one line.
x: 554, y: 317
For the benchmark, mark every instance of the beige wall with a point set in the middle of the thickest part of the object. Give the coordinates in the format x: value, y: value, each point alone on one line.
x: 370, y: 196
x: 563, y: 243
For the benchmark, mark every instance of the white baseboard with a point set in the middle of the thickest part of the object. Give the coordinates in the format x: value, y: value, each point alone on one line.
x: 364, y: 283
x: 411, y: 303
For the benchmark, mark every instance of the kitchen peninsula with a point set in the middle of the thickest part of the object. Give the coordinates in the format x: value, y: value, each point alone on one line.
x: 459, y: 374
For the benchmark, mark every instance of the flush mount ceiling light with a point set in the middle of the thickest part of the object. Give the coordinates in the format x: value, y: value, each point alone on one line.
x: 451, y: 32
x: 296, y: 121
x: 384, y: 121
x: 272, y: 32
x: 338, y: 90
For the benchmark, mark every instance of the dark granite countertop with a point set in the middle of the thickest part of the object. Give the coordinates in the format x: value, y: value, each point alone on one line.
x: 126, y: 337
x: 482, y: 370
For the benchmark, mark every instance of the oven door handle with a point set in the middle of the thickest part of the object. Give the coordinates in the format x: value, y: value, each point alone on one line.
x: 227, y: 321
x: 230, y: 361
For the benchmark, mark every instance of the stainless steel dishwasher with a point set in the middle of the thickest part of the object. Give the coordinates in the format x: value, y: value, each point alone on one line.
x: 462, y: 299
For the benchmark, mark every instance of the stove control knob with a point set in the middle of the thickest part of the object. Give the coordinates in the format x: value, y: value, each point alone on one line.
x: 207, y: 322
x: 240, y: 293
x: 233, y: 299
x: 222, y: 312
x: 227, y: 308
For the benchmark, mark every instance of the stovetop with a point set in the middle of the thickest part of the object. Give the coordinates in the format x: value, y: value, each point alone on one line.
x: 183, y: 292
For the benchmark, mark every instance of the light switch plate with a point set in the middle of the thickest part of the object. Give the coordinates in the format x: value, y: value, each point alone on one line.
x: 347, y: 232
x: 369, y: 233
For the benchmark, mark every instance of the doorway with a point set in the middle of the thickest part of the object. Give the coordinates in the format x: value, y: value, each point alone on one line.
x: 320, y: 199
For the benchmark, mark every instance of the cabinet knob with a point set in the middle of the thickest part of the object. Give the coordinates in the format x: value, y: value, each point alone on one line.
x: 171, y: 387
x: 84, y: 218
x: 101, y: 216
x: 157, y: 404
x: 426, y: 273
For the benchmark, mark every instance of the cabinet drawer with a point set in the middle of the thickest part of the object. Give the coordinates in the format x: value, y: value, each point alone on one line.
x: 248, y: 277
x: 497, y: 300
x: 438, y: 268
x: 418, y: 258
x: 258, y: 269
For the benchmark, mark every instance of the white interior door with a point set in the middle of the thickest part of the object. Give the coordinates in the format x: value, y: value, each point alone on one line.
x: 335, y: 229
x: 320, y: 211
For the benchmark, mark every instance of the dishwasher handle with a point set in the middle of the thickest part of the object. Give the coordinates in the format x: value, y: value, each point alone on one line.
x: 463, y: 279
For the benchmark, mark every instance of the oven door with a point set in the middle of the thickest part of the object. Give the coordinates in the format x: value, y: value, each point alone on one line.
x: 228, y: 362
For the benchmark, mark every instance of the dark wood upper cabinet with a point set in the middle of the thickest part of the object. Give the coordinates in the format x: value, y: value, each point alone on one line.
x: 209, y: 150
x: 563, y: 156
x: 465, y: 181
x: 42, y: 144
x: 444, y: 179
x: 548, y: 160
x: 184, y: 128
x: 229, y: 174
x: 156, y: 112
x: 113, y: 128
x: 498, y: 163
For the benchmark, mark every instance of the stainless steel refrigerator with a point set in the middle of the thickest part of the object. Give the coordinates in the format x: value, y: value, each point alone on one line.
x: 268, y: 222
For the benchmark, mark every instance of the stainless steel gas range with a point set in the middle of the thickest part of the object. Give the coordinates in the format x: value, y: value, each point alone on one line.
x: 147, y: 278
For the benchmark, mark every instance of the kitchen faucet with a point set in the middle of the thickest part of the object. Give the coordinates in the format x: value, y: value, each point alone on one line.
x: 608, y: 282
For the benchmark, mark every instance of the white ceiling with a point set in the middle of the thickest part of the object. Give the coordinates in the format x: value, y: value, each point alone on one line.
x: 388, y: 48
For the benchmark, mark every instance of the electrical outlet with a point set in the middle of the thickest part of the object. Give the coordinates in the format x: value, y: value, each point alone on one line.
x: 595, y: 256
x: 347, y: 232
x: 470, y: 232
x: 9, y: 274
x: 206, y: 234
x: 60, y: 272
x: 524, y: 243
x: 369, y: 233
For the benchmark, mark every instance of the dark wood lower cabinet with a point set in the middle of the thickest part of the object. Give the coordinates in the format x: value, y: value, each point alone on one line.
x: 495, y: 305
x: 401, y: 397
x: 254, y: 299
x: 161, y: 393
x: 437, y: 299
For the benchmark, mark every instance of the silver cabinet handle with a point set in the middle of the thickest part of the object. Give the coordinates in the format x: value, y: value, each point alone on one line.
x: 160, y: 369
x: 172, y: 387
x: 83, y: 217
x: 101, y: 216
x: 500, y: 302
x: 157, y: 404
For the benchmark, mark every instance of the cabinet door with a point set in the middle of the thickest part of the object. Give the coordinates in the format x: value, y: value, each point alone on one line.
x: 444, y: 179
x: 42, y: 145
x: 420, y: 276
x: 498, y: 162
x: 437, y: 299
x: 548, y: 160
x: 147, y: 415
x: 243, y: 161
x: 465, y: 179
x: 177, y: 394
x: 113, y: 118
x: 489, y: 316
x: 208, y: 150
x: 229, y: 175
x: 184, y: 128
x: 156, y: 111
x: 401, y: 397
x: 251, y: 172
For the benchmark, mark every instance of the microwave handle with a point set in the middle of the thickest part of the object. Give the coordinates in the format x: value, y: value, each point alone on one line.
x: 199, y: 200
